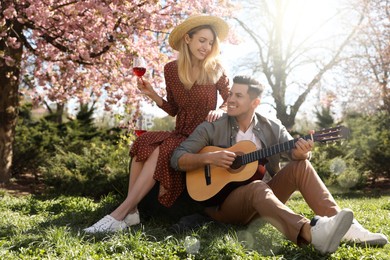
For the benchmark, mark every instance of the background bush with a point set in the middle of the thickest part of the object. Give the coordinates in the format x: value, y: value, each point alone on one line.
x: 365, y: 154
x: 95, y: 170
x: 74, y: 157
x: 369, y: 145
x: 34, y: 143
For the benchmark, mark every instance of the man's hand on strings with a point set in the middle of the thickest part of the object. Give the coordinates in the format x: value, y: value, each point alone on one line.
x: 303, y: 148
x: 221, y: 158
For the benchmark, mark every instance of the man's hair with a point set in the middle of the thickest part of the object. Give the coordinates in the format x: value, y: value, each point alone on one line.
x: 255, y: 89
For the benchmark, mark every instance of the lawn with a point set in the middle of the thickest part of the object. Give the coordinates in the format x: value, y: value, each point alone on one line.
x: 39, y: 227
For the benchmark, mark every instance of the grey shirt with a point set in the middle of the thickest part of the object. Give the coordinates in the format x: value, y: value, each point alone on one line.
x: 223, y: 132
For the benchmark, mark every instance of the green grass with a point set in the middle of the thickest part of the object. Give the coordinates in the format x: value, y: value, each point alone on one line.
x: 34, y: 227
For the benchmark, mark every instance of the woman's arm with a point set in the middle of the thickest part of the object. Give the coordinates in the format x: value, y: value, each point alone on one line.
x: 223, y: 87
x: 223, y: 90
x: 146, y: 88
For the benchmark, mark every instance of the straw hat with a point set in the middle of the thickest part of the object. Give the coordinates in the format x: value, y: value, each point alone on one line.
x: 219, y: 25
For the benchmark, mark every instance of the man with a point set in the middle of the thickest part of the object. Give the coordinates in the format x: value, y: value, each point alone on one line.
x: 265, y: 197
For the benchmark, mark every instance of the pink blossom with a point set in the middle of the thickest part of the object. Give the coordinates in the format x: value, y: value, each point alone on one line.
x: 10, y: 12
x: 13, y: 42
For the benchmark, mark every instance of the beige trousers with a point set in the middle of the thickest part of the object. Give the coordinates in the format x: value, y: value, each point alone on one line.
x: 267, y: 200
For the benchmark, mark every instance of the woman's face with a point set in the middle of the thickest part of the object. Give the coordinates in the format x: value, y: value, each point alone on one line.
x: 200, y: 44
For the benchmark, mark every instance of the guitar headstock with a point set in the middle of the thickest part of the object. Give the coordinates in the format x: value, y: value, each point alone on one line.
x: 331, y: 134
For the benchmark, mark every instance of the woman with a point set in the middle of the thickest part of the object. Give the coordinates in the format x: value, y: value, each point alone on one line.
x: 193, y: 82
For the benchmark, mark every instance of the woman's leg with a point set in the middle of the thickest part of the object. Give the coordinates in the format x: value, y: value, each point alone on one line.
x: 139, y: 185
x: 134, y: 171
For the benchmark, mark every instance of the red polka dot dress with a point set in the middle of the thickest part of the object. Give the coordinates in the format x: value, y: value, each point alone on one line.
x: 190, y: 108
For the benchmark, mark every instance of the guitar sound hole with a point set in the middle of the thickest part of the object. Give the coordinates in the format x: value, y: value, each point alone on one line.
x: 237, y: 163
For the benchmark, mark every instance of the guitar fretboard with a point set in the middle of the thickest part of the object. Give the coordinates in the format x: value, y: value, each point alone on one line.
x: 322, y: 136
x: 269, y: 151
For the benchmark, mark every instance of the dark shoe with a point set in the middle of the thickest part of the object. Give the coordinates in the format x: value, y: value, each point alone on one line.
x: 190, y: 222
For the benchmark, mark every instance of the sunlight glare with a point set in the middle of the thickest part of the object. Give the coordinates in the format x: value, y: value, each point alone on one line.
x: 305, y: 18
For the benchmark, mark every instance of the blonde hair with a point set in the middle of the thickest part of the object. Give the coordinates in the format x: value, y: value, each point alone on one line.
x: 210, y: 70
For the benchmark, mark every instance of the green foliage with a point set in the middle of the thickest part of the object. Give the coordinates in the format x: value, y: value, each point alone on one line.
x: 349, y: 179
x: 74, y: 157
x: 365, y: 154
x: 166, y: 123
x: 34, y: 142
x: 324, y: 118
x: 369, y: 144
x: 94, y: 170
x: 323, y: 156
x: 50, y: 228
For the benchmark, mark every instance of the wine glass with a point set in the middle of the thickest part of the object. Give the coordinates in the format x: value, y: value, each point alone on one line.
x: 139, y: 132
x: 139, y: 67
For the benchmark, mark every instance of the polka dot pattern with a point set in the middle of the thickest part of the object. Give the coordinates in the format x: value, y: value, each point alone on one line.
x: 190, y: 108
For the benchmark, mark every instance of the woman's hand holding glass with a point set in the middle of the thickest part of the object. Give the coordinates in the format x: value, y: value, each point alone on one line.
x: 145, y: 87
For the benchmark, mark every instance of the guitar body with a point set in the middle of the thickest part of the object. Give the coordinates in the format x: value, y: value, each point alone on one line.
x: 200, y: 190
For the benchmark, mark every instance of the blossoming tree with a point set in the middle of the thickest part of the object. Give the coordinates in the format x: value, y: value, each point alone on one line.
x: 62, y: 49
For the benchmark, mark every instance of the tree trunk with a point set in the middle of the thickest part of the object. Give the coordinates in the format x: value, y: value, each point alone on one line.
x: 285, y: 116
x: 8, y: 119
x: 9, y: 101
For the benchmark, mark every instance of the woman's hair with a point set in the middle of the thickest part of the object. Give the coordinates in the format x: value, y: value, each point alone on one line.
x: 255, y: 88
x: 210, y: 70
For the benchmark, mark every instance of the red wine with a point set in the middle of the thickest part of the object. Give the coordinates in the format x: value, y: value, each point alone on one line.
x: 139, y: 71
x: 139, y: 132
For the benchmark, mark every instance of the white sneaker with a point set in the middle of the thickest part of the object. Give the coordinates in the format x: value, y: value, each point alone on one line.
x: 358, y: 234
x: 106, y: 224
x: 132, y: 219
x: 326, y: 233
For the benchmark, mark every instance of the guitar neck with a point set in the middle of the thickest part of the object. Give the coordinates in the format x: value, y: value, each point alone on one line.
x: 322, y: 136
x: 272, y: 150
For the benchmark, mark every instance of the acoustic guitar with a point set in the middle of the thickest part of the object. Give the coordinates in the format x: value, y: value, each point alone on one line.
x: 204, y: 183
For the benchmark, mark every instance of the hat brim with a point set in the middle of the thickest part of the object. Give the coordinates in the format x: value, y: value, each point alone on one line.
x: 220, y: 26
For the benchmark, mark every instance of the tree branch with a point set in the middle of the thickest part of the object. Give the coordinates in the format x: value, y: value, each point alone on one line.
x: 325, y: 68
